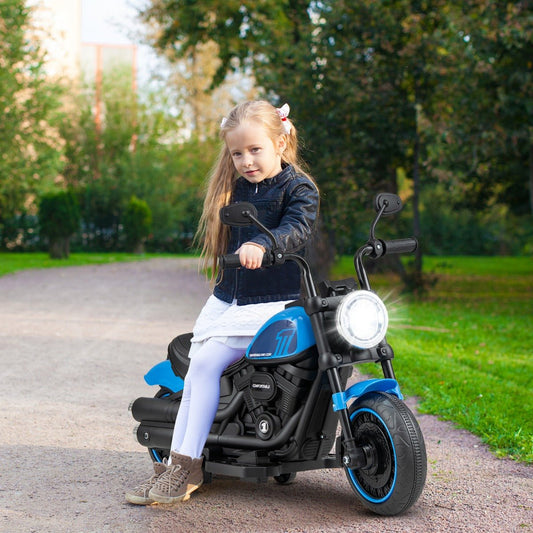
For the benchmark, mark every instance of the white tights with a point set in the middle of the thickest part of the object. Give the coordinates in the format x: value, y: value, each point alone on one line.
x: 201, y: 394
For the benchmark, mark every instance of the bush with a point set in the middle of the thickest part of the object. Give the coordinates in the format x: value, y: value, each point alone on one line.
x: 20, y: 233
x: 494, y: 231
x: 137, y: 224
x: 59, y: 219
x: 102, y: 206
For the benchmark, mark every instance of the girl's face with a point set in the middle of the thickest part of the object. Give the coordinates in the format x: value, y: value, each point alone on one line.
x: 255, y: 155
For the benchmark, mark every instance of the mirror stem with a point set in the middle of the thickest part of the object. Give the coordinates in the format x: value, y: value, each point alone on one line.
x: 378, y: 216
x: 265, y: 230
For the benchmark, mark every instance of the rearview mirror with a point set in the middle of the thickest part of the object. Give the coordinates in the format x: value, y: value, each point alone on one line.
x: 391, y: 202
x: 238, y: 214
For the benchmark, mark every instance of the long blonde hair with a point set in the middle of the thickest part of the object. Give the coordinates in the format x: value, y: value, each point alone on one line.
x: 221, y: 180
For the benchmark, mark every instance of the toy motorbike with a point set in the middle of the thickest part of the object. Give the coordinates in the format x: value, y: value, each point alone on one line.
x: 281, y: 404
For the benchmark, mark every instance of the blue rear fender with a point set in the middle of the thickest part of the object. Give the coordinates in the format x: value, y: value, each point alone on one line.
x: 163, y: 375
x: 341, y: 399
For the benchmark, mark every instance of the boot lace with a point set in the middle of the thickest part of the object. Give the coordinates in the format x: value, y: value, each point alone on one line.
x: 172, y: 478
x: 147, y: 485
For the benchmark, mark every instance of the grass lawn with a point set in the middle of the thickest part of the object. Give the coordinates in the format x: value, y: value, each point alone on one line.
x: 13, y: 262
x: 466, y: 349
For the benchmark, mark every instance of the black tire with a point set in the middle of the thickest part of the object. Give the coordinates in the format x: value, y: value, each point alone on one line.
x: 285, y: 479
x: 397, y: 472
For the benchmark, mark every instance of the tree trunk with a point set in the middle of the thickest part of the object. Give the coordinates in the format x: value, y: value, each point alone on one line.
x: 416, y: 198
x: 138, y: 248
x: 321, y: 254
x: 531, y: 175
x: 59, y: 247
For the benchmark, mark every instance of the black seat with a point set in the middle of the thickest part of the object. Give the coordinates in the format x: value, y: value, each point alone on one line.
x: 178, y: 353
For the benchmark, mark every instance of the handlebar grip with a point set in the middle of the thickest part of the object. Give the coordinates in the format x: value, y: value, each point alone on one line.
x: 400, y: 246
x: 233, y: 261
x: 229, y: 261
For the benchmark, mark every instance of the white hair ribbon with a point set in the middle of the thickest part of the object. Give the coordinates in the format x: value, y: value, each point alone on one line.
x: 223, y: 122
x: 283, y: 113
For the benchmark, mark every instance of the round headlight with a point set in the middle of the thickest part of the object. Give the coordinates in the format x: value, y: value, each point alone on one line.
x: 362, y: 319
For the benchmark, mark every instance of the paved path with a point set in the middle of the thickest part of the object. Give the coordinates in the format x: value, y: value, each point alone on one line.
x: 74, y: 345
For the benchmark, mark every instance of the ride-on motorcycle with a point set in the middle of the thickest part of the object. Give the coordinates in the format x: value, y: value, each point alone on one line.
x: 280, y: 405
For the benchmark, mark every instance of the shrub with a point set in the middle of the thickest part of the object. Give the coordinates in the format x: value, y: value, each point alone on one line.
x: 59, y: 219
x: 137, y: 224
x: 20, y: 233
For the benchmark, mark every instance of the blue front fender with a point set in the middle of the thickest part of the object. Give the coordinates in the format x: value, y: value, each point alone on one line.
x: 163, y: 375
x: 341, y: 399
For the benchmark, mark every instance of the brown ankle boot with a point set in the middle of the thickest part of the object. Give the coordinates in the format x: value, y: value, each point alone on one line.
x: 139, y: 495
x: 183, y: 476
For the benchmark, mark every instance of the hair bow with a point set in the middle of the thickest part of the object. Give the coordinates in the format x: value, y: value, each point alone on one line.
x: 283, y: 113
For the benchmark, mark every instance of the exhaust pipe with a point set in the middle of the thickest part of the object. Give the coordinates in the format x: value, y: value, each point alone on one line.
x: 165, y: 410
x: 156, y: 409
x: 159, y: 435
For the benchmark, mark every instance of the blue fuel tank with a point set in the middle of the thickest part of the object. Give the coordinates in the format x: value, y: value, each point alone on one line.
x: 282, y: 338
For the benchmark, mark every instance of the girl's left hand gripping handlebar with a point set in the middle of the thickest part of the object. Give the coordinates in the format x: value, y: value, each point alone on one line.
x: 233, y: 261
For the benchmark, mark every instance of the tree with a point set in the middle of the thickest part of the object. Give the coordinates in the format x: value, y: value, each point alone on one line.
x: 59, y: 219
x: 250, y: 35
x: 493, y: 140
x: 188, y: 77
x: 30, y: 107
x: 107, y: 168
x: 398, y: 88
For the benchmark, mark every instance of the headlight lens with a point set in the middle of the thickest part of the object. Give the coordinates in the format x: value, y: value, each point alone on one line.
x: 362, y: 319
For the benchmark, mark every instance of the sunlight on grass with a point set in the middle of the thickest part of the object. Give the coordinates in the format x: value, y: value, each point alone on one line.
x: 465, y: 350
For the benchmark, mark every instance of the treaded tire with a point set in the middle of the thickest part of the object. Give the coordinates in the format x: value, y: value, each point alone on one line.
x: 396, y: 477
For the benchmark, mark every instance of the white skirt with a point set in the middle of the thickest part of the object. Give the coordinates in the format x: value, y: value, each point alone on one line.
x: 232, y: 324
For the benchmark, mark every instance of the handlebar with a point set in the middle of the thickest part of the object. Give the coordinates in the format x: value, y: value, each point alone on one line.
x: 378, y: 248
x: 233, y: 261
x: 400, y: 246
x: 272, y: 258
x: 395, y: 246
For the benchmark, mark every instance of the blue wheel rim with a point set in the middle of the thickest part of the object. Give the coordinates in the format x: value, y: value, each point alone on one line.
x: 351, y: 473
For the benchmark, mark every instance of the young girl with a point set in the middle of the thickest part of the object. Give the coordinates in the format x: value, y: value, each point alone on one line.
x: 258, y: 163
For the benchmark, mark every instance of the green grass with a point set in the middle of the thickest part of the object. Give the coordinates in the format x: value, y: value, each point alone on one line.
x: 13, y: 262
x: 466, y: 349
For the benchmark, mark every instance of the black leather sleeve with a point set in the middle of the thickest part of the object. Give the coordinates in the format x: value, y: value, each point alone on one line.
x: 298, y: 220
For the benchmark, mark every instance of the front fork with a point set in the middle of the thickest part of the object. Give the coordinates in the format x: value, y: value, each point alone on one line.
x: 353, y: 456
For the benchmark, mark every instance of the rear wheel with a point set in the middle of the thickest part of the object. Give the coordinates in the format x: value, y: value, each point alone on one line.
x: 395, y: 476
x: 285, y: 479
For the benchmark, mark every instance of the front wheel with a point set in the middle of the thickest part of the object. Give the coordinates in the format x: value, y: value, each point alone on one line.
x: 395, y: 474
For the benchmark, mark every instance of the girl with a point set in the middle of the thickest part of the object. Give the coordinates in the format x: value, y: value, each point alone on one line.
x: 258, y: 163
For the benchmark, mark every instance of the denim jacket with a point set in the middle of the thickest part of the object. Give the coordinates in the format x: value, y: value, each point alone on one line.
x: 287, y: 204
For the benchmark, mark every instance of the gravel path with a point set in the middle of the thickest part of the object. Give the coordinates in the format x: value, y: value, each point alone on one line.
x: 74, y: 345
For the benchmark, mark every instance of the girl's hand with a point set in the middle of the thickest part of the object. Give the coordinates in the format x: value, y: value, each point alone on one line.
x: 251, y: 255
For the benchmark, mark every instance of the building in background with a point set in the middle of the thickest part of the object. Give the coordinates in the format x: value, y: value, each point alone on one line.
x: 59, y: 26
x: 60, y: 30
x: 84, y: 64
